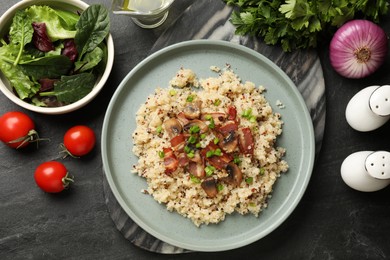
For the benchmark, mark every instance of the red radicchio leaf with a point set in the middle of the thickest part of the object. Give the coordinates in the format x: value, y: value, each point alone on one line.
x: 40, y: 38
x: 46, y: 84
x: 70, y: 49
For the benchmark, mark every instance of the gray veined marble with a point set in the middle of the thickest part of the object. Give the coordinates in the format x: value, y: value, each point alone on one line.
x: 202, y: 20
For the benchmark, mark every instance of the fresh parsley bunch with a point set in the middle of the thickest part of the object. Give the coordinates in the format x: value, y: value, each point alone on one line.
x: 297, y: 24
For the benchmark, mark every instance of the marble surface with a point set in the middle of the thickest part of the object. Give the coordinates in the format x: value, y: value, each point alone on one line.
x: 331, y: 222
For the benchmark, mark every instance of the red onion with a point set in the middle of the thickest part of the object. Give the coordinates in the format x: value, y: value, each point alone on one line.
x: 358, y: 49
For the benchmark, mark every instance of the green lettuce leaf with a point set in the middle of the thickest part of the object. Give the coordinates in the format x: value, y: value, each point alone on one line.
x: 21, y: 32
x: 54, y: 23
x: 68, y: 19
x: 23, y: 85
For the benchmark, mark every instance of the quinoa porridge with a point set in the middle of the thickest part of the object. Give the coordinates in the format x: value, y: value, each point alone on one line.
x: 207, y: 147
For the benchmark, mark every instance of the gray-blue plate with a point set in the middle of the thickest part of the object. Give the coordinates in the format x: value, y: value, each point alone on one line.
x: 156, y: 71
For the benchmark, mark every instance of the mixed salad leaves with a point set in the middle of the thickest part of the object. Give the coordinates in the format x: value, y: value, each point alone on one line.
x: 53, y: 57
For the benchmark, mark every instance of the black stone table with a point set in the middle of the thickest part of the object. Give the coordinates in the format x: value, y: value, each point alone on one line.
x: 332, y: 221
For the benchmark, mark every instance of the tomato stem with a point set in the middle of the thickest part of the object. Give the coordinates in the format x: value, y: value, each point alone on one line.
x: 31, y: 137
x: 67, y: 180
x: 66, y: 152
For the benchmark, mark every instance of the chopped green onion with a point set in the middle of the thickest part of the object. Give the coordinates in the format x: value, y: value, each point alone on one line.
x: 198, y: 145
x: 249, y: 180
x: 209, y: 170
x: 187, y: 149
x: 161, y: 154
x: 219, y: 187
x: 190, y: 154
x: 216, y: 140
x: 209, y: 153
x: 217, y: 102
x: 192, y: 139
x: 252, y: 204
x: 211, y: 119
x: 194, y: 129
x: 190, y: 98
x: 262, y: 171
x: 236, y: 160
x: 159, y: 129
x: 172, y: 92
x: 202, y: 136
x: 247, y: 113
x: 194, y: 179
x: 217, y: 152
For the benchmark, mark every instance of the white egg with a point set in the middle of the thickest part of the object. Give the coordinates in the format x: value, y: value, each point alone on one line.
x: 360, y: 116
x: 354, y: 174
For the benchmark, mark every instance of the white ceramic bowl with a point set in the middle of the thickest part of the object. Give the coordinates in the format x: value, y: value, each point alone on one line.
x: 71, y: 5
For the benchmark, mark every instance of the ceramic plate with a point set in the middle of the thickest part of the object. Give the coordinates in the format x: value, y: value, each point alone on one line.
x: 156, y: 71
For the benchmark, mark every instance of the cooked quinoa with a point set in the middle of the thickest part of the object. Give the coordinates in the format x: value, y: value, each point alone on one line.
x: 230, y: 163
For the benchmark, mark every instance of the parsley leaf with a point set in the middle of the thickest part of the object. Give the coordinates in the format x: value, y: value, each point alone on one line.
x: 297, y: 24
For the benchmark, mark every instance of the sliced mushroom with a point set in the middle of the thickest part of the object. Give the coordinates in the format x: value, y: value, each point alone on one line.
x: 182, y: 119
x: 234, y: 174
x: 229, y: 142
x: 172, y: 127
x: 210, y: 187
x: 192, y: 110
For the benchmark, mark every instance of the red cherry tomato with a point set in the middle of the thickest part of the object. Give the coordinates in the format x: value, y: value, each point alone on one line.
x: 79, y: 140
x: 52, y: 177
x: 17, y: 129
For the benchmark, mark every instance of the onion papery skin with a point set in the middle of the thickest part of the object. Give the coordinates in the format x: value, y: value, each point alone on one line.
x: 353, y: 36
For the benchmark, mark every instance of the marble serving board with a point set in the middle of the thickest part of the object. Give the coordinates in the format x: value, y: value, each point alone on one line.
x: 303, y: 67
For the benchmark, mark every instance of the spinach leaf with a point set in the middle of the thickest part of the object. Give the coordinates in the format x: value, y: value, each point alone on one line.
x: 90, y: 60
x: 21, y: 32
x: 72, y: 88
x: 47, y: 67
x: 92, y: 27
x: 100, y: 68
